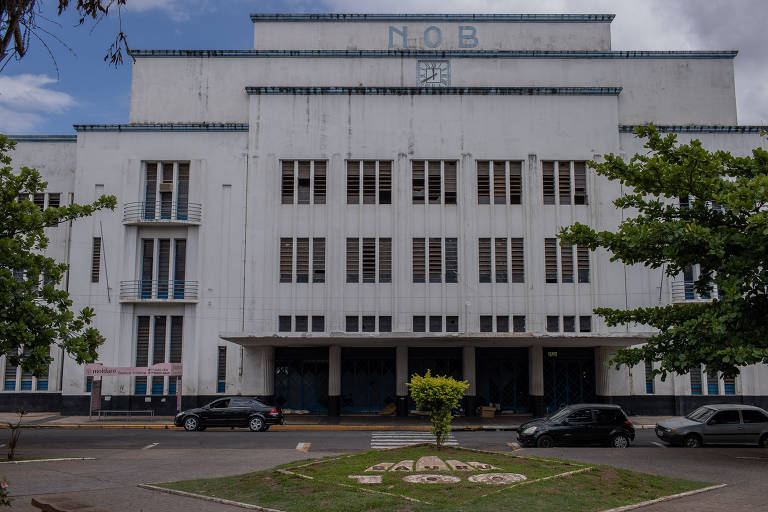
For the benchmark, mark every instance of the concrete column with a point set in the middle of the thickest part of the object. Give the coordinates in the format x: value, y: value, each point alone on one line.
x: 259, y: 372
x: 609, y: 382
x: 470, y: 393
x: 536, y: 379
x: 401, y: 378
x: 334, y: 380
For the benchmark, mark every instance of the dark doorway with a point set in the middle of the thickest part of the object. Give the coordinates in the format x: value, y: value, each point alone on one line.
x: 502, y: 378
x: 569, y: 377
x: 367, y: 379
x: 439, y: 360
x: 301, y: 378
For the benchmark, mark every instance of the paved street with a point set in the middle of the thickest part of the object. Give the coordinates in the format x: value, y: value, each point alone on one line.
x: 125, y: 458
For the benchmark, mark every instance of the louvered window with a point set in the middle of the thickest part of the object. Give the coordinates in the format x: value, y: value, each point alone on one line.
x: 287, y: 183
x: 486, y: 323
x: 518, y: 323
x: 419, y: 324
x: 433, y: 182
x: 585, y: 323
x: 419, y: 266
x: 147, y: 262
x: 26, y: 376
x: 39, y: 200
x: 451, y: 260
x: 417, y: 171
x: 182, y: 203
x: 286, y: 260
x: 435, y: 324
x: 10, y: 376
x: 484, y: 259
x: 353, y: 260
x: 221, y: 370
x: 696, y: 380
x: 483, y: 183
x: 499, y: 183
x: 369, y: 260
x: 177, y: 331
x: 95, y: 259
x: 435, y: 260
x: 301, y: 323
x: 729, y: 385
x: 502, y: 323
x: 385, y: 182
x: 713, y: 383
x: 163, y: 262
x: 385, y: 260
x: 582, y: 260
x: 548, y: 173
x: 318, y: 260
x: 517, y: 260
x: 179, y: 267
x: 303, y: 181
x: 580, y: 183
x: 353, y: 182
x: 352, y: 324
x: 515, y: 183
x: 649, y: 384
x: 319, y: 181
x: 569, y: 324
x: 550, y: 259
x: 449, y: 172
x: 553, y: 323
x: 302, y: 260
x: 369, y: 182
x: 566, y: 262
x: 142, y: 352
x: 158, y: 353
x: 564, y: 182
x: 150, y: 191
x: 501, y: 260
x: 54, y: 200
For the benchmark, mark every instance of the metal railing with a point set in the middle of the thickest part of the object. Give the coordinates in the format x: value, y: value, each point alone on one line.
x: 685, y: 291
x: 162, y: 211
x: 158, y: 290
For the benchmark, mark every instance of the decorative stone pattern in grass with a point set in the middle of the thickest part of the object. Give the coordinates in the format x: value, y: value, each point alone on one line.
x: 403, y: 465
x: 497, y: 478
x: 366, y: 479
x: 431, y: 463
x: 457, y: 465
x: 481, y: 465
x: 382, y: 466
x: 431, y: 479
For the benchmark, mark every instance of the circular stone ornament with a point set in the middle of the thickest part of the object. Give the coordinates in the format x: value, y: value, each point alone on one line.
x: 497, y: 478
x: 431, y: 479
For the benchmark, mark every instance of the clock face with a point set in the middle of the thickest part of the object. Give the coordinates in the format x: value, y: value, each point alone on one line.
x: 434, y: 73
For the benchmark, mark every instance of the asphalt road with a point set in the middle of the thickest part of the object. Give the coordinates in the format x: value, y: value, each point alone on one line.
x: 124, y: 458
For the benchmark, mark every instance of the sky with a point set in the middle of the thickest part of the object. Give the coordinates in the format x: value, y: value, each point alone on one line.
x: 58, y: 84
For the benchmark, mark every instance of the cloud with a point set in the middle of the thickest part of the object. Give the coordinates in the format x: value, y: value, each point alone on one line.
x: 24, y: 100
x: 176, y: 10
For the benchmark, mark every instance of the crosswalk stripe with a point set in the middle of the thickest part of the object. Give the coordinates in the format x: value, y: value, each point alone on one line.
x: 395, y: 439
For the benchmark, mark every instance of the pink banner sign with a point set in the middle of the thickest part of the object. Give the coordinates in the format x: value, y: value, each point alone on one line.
x: 159, y: 369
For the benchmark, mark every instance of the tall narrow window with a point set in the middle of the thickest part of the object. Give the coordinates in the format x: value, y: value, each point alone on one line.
x: 179, y: 267
x: 302, y: 260
x: 147, y: 265
x: 353, y: 260
x: 175, y: 353
x: 483, y: 183
x: 369, y: 260
x: 729, y: 385
x: 287, y: 183
x: 580, y: 183
x: 142, y: 352
x: 484, y: 259
x: 385, y: 182
x: 419, y: 264
x: 26, y: 376
x: 163, y: 267
x: 501, y: 260
x: 221, y: 370
x: 548, y: 173
x: 564, y: 182
x: 550, y: 259
x: 286, y: 260
x: 150, y: 191
x: 566, y: 262
x: 182, y: 199
x: 10, y: 376
x: 585, y: 323
x: 166, y: 191
x: 515, y: 183
x: 518, y: 323
x: 39, y: 200
x: 369, y: 182
x: 499, y: 183
x: 582, y: 260
x: 417, y: 171
x: 385, y: 260
x: 713, y: 383
x: 650, y: 388
x: 696, y: 380
x: 319, y: 182
x: 451, y: 260
x: 353, y: 182
x: 95, y: 259
x: 158, y: 353
x: 435, y: 260
x: 433, y: 182
x: 449, y: 177
x: 517, y: 260
x: 303, y: 182
x: 318, y: 260
x: 54, y: 199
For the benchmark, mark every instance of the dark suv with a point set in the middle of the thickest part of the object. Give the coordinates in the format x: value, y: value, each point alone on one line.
x: 235, y: 411
x: 579, y: 424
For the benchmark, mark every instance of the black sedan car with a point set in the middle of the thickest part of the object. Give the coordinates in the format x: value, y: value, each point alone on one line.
x: 235, y: 411
x: 579, y: 424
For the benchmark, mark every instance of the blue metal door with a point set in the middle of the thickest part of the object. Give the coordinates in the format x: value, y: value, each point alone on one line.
x: 367, y: 379
x: 502, y: 378
x: 301, y: 379
x: 569, y: 377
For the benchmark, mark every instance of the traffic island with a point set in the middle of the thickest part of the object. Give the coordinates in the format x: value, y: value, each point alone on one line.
x: 423, y: 478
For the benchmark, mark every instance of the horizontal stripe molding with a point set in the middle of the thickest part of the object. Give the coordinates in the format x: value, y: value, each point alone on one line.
x: 696, y: 128
x: 163, y: 127
x: 43, y: 138
x: 437, y: 91
x: 477, y: 18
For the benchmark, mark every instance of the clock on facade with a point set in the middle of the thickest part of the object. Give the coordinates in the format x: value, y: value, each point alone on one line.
x: 434, y: 73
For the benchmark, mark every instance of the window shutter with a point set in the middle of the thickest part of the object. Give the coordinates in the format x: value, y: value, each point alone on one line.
x: 499, y: 183
x: 177, y: 329
x: 449, y: 174
x: 39, y: 200
x: 369, y: 260
x: 163, y: 263
x: 318, y: 260
x: 434, y: 182
x: 302, y: 260
x: 303, y: 184
x: 385, y: 182
x: 142, y: 352
x: 319, y: 181
x: 417, y: 171
x: 353, y: 260
x: 515, y: 183
x: 564, y: 182
x: 501, y: 260
x: 287, y: 183
x: 696, y: 380
x: 353, y: 182
x: 451, y: 260
x: 484, y: 259
x: 566, y: 262
x: 517, y: 259
x: 419, y: 265
x: 369, y: 182
x: 483, y: 183
x: 582, y: 260
x: 435, y: 260
x: 580, y: 183
x: 550, y: 259
x: 385, y: 260
x: 548, y: 173
x: 54, y: 200
x: 286, y: 260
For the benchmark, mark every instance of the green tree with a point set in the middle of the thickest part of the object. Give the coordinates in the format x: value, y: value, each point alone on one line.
x: 34, y: 314
x: 438, y: 395
x: 722, y: 228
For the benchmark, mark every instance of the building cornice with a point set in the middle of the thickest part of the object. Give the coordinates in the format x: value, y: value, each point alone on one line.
x: 436, y: 91
x: 163, y: 127
x: 436, y: 54
x: 446, y: 18
x: 698, y: 128
x: 43, y: 138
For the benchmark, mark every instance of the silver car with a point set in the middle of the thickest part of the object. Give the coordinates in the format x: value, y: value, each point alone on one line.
x: 717, y: 424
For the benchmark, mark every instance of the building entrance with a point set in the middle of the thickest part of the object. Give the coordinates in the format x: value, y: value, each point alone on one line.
x: 301, y: 378
x: 502, y: 378
x: 367, y: 379
x: 569, y: 377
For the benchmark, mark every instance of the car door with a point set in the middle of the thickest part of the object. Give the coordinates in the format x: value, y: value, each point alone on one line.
x: 238, y: 411
x: 579, y: 429
x: 605, y: 422
x: 755, y: 423
x: 216, y: 414
x: 724, y: 427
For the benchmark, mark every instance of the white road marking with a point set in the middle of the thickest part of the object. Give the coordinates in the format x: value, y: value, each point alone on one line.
x: 395, y: 439
x: 753, y: 458
x: 303, y: 447
x: 150, y: 446
x: 659, y: 444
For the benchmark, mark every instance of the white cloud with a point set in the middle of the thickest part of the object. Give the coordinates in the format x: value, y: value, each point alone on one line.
x: 177, y: 10
x: 18, y: 122
x: 24, y: 100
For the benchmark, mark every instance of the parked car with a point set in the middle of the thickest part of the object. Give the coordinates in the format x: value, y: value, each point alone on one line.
x: 717, y: 424
x: 579, y: 424
x: 235, y: 411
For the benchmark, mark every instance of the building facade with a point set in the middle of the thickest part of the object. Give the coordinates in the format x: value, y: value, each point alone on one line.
x: 362, y: 197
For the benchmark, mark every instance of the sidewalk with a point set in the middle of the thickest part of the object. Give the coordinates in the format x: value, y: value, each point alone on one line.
x: 294, y: 422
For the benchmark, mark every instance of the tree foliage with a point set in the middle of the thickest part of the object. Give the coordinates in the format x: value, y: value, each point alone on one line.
x: 34, y: 314
x: 723, y: 229
x: 19, y: 25
x: 438, y: 395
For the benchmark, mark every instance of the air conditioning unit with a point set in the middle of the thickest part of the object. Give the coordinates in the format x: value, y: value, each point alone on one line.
x: 166, y: 187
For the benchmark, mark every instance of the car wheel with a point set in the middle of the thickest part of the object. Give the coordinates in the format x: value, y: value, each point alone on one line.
x: 692, y: 441
x: 620, y: 441
x: 191, y: 424
x: 545, y: 442
x: 256, y: 424
x: 764, y: 441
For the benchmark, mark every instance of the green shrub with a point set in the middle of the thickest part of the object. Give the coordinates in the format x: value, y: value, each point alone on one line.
x: 438, y: 395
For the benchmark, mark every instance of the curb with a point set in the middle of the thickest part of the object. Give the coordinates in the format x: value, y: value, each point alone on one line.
x: 212, y: 499
x: 664, y: 498
x: 293, y: 428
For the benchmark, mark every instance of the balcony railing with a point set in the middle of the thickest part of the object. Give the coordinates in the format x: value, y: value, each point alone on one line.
x: 685, y: 291
x: 143, y: 290
x: 173, y: 212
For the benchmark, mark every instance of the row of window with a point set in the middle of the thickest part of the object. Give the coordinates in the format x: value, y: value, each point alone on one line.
x: 43, y: 200
x: 17, y: 379
x: 158, y: 340
x: 712, y: 382
x: 433, y: 182
x: 434, y: 260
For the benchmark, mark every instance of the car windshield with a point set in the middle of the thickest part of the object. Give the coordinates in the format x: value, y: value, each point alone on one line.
x: 559, y: 415
x: 701, y: 414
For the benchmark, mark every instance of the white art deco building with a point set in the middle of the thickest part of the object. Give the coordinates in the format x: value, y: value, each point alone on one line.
x: 361, y: 197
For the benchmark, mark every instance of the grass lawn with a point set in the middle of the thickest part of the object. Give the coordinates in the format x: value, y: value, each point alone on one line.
x: 324, y: 485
